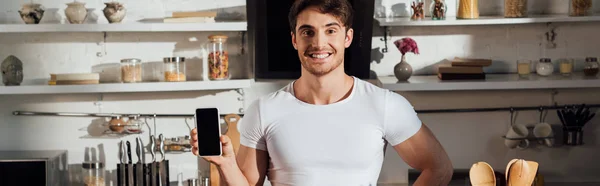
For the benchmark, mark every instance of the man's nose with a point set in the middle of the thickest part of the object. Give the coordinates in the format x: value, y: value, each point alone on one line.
x: 320, y: 40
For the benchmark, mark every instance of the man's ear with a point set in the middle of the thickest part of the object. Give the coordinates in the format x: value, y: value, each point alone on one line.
x: 349, y: 37
x: 294, y: 40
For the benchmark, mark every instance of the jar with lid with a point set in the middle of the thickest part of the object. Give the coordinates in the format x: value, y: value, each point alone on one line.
x: 131, y: 70
x: 515, y: 8
x: 93, y: 173
x: 116, y: 124
x: 591, y: 66
x: 580, y: 7
x: 218, y: 58
x: 468, y: 9
x: 544, y: 67
x: 134, y: 125
x: 174, y: 69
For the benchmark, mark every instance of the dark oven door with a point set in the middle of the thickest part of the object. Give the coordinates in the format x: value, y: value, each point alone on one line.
x: 23, y: 172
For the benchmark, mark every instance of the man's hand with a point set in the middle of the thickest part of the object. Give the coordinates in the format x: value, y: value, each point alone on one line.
x: 422, y: 151
x: 228, y: 157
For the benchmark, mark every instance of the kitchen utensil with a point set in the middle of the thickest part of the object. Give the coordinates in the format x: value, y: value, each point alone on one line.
x: 139, y: 166
x: 507, y: 170
x: 522, y: 172
x: 130, y: 171
x: 163, y: 164
x: 543, y: 131
x: 482, y: 174
x: 515, y: 137
x: 573, y: 136
x: 122, y: 167
x: 152, y: 176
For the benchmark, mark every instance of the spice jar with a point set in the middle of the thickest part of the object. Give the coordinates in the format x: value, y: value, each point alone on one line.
x: 134, y: 125
x: 468, y: 9
x: 131, y: 70
x: 566, y: 67
x: 544, y: 67
x: 515, y: 8
x: 174, y: 69
x: 524, y: 68
x: 218, y: 58
x: 438, y: 10
x: 116, y: 124
x: 591, y: 66
x: 580, y: 7
x: 93, y: 173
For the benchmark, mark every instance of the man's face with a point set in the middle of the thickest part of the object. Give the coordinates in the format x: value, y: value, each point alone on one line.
x: 320, y: 40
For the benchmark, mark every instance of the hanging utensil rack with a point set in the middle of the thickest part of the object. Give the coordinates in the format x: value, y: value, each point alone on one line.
x: 492, y: 109
x: 73, y: 114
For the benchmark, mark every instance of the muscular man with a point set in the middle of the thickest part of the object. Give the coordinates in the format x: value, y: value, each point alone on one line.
x: 327, y: 128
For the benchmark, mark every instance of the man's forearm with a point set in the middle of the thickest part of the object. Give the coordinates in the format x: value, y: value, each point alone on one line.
x: 430, y: 177
x: 231, y: 175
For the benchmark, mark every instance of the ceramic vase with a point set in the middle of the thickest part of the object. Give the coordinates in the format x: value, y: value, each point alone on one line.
x: 114, y: 12
x: 12, y: 71
x: 32, y: 13
x: 76, y: 12
x: 403, y: 70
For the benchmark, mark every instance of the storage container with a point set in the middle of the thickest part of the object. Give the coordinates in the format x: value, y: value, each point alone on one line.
x: 131, y: 70
x: 580, y: 7
x: 544, y: 67
x: 218, y: 58
x: 93, y: 173
x: 515, y: 8
x: 468, y: 9
x: 591, y: 67
x: 174, y: 69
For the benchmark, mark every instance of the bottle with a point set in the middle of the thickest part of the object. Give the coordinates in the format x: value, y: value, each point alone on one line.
x: 544, y: 67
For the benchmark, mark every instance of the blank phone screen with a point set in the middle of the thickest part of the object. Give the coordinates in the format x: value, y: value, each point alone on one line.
x: 209, y: 142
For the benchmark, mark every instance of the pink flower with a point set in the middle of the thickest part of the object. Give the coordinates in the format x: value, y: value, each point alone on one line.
x: 406, y: 45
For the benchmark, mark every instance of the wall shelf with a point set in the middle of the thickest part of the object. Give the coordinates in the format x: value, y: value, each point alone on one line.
x: 492, y: 82
x: 484, y: 20
x: 125, y: 27
x: 127, y: 87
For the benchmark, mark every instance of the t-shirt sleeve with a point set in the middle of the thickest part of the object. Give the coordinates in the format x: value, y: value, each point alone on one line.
x: 400, y: 120
x: 250, y: 128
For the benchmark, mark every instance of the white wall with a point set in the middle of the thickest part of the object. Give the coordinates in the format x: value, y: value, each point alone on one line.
x: 468, y: 137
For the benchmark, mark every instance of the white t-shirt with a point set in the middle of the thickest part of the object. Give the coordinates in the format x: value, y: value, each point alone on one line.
x: 336, y: 144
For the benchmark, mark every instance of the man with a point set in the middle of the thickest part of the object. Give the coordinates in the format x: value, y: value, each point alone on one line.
x: 327, y: 128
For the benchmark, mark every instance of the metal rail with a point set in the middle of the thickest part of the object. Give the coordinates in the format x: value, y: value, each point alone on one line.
x: 493, y: 109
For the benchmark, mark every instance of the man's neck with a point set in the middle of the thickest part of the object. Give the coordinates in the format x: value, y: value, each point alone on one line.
x: 322, y: 90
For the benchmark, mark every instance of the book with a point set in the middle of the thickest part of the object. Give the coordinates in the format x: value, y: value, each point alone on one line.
x: 446, y: 76
x: 447, y: 69
x: 470, y: 62
x: 194, y: 14
x: 189, y: 20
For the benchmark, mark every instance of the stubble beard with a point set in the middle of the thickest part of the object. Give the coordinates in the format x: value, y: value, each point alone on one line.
x: 321, y: 69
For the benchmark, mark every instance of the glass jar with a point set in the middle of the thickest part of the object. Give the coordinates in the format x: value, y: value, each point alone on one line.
x: 218, y: 58
x: 116, y: 124
x: 591, y: 66
x: 468, y: 9
x: 131, y: 70
x: 524, y: 68
x: 580, y: 7
x: 515, y: 8
x: 134, y: 125
x: 438, y: 10
x: 544, y: 67
x: 93, y: 173
x: 566, y: 67
x: 174, y: 69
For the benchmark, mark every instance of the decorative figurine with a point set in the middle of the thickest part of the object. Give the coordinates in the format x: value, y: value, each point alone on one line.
x: 114, y: 12
x: 438, y: 10
x: 417, y: 9
x: 12, y: 71
x: 32, y: 13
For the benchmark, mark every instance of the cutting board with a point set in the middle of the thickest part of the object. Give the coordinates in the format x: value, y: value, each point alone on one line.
x: 234, y: 135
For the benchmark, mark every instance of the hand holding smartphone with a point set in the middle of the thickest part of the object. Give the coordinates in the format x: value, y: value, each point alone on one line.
x: 208, y: 132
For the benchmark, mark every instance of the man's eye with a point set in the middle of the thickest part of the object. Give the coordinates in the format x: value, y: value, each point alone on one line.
x: 307, y: 33
x: 331, y: 31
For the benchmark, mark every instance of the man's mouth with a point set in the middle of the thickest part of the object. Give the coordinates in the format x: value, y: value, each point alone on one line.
x: 319, y: 55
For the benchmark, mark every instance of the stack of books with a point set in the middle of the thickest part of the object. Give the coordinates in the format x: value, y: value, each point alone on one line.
x: 463, y: 69
x: 191, y: 17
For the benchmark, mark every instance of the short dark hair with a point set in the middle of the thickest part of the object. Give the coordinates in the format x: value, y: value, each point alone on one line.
x: 341, y: 9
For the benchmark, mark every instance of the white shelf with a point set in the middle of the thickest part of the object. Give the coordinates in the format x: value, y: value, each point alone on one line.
x: 484, y: 20
x: 127, y: 87
x: 124, y: 27
x: 492, y: 82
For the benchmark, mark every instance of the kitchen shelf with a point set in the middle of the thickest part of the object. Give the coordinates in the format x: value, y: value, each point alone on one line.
x: 127, y: 87
x: 492, y: 82
x: 484, y: 20
x: 124, y: 27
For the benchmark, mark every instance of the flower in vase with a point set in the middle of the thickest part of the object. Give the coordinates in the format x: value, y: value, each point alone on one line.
x: 405, y: 45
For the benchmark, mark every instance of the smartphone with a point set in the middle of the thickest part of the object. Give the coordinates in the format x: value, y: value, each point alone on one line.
x: 209, y: 132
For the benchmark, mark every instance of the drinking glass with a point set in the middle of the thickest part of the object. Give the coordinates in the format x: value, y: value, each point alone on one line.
x: 524, y: 68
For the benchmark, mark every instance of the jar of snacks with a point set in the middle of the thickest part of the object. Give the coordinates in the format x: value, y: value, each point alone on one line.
x: 515, y: 8
x: 544, y: 67
x: 468, y: 9
x: 591, y: 66
x: 93, y: 173
x: 131, y: 70
x: 580, y: 7
x: 116, y: 124
x: 566, y: 67
x: 134, y: 125
x: 218, y: 58
x: 174, y: 69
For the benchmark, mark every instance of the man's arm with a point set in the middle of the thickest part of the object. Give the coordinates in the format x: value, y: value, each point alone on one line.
x: 253, y: 163
x: 423, y: 151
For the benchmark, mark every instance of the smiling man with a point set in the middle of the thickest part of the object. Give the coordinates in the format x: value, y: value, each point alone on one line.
x: 326, y: 127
